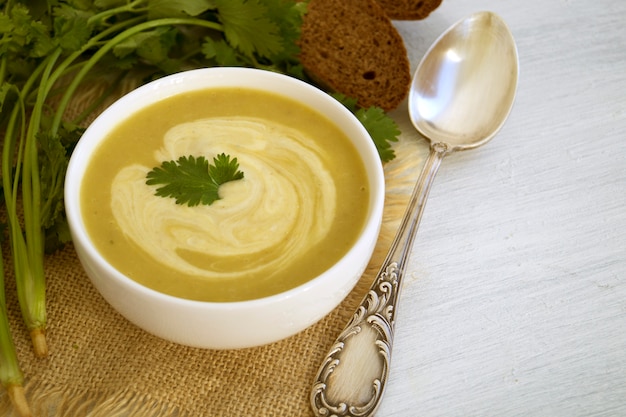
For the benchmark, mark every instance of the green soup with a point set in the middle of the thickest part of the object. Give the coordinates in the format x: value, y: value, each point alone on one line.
x: 298, y: 209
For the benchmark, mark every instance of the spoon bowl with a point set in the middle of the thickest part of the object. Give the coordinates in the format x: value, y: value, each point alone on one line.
x: 464, y: 87
x: 461, y: 95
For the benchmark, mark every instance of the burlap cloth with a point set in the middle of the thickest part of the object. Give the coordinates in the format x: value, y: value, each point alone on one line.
x: 102, y: 365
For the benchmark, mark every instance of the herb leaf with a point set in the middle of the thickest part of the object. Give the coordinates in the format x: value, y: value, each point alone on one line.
x: 178, y: 8
x: 221, y: 51
x: 248, y: 28
x: 194, y: 181
x: 381, y: 127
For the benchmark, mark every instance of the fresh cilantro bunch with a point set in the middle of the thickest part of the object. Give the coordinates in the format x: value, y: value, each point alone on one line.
x: 193, y: 181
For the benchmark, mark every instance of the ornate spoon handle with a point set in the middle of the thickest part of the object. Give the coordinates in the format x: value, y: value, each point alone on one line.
x: 353, y: 375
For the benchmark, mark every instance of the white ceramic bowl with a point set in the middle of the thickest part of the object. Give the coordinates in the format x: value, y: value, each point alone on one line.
x: 225, y: 325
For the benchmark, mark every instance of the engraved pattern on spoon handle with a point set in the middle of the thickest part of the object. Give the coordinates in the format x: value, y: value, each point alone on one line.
x: 352, y: 377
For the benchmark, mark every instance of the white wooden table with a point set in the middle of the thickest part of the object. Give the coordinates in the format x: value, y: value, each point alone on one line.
x: 515, y: 302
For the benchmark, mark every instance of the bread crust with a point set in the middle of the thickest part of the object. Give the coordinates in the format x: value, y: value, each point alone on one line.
x: 408, y: 9
x: 351, y: 47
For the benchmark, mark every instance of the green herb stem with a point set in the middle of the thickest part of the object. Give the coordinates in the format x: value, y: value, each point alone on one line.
x: 32, y: 284
x: 108, y: 46
x: 3, y: 69
x: 11, y: 376
x: 28, y: 271
x: 65, y: 67
x: 104, y: 15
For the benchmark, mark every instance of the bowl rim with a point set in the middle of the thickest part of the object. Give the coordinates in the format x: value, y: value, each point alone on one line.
x: 85, y: 148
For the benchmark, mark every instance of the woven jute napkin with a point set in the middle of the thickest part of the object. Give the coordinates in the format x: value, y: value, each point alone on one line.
x: 102, y: 365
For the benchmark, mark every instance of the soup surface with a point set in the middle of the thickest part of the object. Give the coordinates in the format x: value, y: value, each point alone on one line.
x: 298, y: 209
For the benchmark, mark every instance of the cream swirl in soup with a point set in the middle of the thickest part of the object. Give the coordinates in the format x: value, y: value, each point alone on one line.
x: 300, y: 206
x: 284, y: 205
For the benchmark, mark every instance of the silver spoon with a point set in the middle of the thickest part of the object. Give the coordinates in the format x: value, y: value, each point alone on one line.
x: 461, y: 95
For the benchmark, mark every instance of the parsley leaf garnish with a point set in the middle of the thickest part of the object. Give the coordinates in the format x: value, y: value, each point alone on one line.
x: 194, y: 181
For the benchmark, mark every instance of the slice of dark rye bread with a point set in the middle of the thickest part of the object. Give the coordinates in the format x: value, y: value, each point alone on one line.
x: 351, y: 47
x: 408, y: 9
